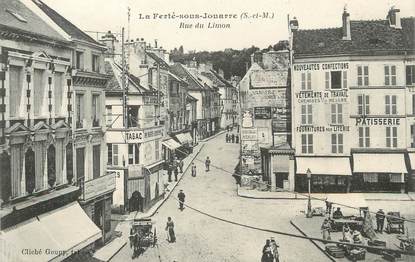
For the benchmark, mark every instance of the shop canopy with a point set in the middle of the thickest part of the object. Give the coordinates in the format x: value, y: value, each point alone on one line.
x: 335, y: 166
x: 58, y: 234
x: 379, y: 163
x: 184, y: 138
x: 412, y: 160
x: 171, y: 144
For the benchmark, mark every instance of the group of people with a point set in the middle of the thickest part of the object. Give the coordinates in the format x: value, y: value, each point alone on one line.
x: 176, y: 167
x: 231, y: 138
x: 270, y: 251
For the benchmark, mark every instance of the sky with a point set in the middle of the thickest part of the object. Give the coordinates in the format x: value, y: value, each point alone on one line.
x: 104, y: 15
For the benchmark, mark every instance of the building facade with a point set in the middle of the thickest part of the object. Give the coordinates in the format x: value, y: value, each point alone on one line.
x: 352, y: 105
x: 39, y: 183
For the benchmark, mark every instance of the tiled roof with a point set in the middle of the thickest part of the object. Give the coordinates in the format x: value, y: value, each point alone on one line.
x: 367, y: 37
x: 223, y: 80
x: 158, y: 60
x: 31, y: 23
x: 64, y: 24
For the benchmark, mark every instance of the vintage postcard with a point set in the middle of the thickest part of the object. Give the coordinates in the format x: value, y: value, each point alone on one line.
x: 207, y: 130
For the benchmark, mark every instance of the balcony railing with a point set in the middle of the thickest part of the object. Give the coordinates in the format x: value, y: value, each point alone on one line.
x: 97, y: 187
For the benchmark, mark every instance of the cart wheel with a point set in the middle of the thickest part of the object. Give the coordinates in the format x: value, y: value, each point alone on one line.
x: 154, y: 237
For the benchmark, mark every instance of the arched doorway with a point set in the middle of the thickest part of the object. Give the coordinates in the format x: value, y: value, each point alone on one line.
x: 69, y: 163
x: 30, y: 171
x: 51, y: 165
x: 5, y: 178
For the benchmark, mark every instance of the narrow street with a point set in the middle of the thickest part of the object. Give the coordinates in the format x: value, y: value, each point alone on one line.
x: 201, y: 238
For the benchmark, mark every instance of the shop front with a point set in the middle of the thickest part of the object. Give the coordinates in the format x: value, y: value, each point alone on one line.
x: 186, y: 142
x: 379, y: 172
x: 328, y: 174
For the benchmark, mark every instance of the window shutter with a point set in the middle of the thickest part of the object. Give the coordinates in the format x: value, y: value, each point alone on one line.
x: 340, y: 114
x: 387, y: 105
x: 387, y: 75
x: 367, y: 105
x: 308, y: 80
x: 393, y: 73
x: 302, y: 81
x: 327, y: 80
x: 344, y: 79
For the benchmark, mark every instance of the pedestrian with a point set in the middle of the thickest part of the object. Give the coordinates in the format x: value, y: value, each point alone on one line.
x: 176, y: 173
x: 267, y: 245
x: 380, y: 219
x: 170, y: 230
x: 237, y: 139
x: 193, y: 170
x: 325, y: 229
x: 181, y: 196
x: 169, y: 172
x: 181, y: 165
x: 227, y: 138
x: 274, y: 250
x: 207, y: 163
x: 267, y: 255
x: 328, y: 207
x: 233, y: 138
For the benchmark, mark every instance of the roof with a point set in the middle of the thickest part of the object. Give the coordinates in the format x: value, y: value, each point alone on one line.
x: 64, y: 24
x: 179, y: 70
x: 366, y: 37
x: 190, y: 98
x: 157, y: 59
x: 217, y: 79
x: 15, y: 15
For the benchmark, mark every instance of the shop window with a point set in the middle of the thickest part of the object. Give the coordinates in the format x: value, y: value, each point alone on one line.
x: 96, y: 161
x: 362, y: 75
x: 30, y: 171
x: 390, y: 105
x: 51, y: 161
x: 108, y: 115
x: 337, y: 114
x: 306, y: 114
x: 363, y: 105
x: 305, y: 81
x: 5, y: 178
x: 79, y: 107
x: 390, y: 75
x: 370, y: 177
x: 307, y: 143
x: 337, y: 143
x: 133, y: 154
x: 395, y: 178
x: 69, y: 163
x: 15, y: 82
x: 95, y: 110
x: 391, y: 137
x: 410, y: 75
x: 364, y: 137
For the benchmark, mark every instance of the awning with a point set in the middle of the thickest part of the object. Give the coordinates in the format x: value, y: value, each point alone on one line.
x: 171, y: 143
x: 336, y: 166
x: 62, y: 231
x: 412, y: 160
x: 378, y: 163
x: 184, y: 138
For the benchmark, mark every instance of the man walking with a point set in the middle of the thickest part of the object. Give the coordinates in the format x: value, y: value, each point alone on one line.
x: 176, y: 173
x: 181, y: 166
x: 380, y: 219
x: 193, y: 170
x: 181, y: 196
x: 207, y: 164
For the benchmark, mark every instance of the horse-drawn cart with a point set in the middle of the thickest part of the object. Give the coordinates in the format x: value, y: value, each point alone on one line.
x: 142, y: 235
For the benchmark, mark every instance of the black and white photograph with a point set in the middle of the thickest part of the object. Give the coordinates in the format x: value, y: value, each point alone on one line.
x: 207, y: 130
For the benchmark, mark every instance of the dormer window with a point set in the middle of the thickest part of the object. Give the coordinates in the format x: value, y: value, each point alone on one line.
x: 17, y: 16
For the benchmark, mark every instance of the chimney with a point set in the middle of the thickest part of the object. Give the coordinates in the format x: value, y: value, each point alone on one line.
x: 394, y: 18
x: 109, y: 40
x: 294, y: 24
x: 346, y: 25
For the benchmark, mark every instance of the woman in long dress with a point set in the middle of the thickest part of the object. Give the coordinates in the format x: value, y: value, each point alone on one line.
x: 170, y: 230
x: 325, y: 229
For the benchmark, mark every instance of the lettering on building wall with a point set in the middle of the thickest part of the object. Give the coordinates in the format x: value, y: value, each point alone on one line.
x: 320, y: 129
x: 325, y: 66
x: 249, y: 134
x: 377, y: 121
x: 266, y: 97
x: 326, y: 97
x: 134, y: 136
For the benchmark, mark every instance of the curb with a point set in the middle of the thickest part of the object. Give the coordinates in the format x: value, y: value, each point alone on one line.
x: 302, y: 198
x: 312, y: 241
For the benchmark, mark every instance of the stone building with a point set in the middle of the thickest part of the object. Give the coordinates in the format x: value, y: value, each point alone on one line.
x: 40, y: 187
x: 352, y: 94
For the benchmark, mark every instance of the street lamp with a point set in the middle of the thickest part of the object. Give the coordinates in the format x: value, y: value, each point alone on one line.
x: 309, y: 215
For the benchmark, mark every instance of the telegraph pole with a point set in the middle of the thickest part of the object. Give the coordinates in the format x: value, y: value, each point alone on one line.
x: 123, y: 81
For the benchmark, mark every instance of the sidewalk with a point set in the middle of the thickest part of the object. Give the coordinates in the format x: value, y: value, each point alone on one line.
x: 255, y: 194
